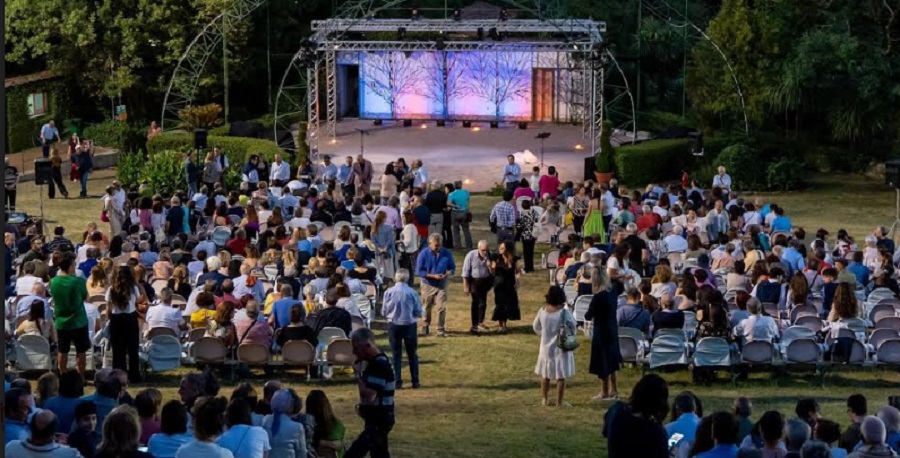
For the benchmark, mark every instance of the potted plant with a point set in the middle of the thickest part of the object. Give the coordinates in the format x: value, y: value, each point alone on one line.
x: 604, y: 160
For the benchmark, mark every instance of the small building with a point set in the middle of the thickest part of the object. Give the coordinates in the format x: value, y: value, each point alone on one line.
x: 31, y: 101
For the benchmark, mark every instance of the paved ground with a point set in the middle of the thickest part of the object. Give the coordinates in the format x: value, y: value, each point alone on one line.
x: 455, y: 153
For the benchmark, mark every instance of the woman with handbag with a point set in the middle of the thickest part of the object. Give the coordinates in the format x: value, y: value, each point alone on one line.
x: 556, y: 358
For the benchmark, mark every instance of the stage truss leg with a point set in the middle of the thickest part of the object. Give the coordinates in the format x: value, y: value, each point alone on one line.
x: 595, y: 129
x: 313, y: 128
x: 331, y: 93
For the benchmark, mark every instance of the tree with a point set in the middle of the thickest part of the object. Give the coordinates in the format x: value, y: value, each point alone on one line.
x: 391, y: 75
x: 444, y: 75
x: 498, y: 77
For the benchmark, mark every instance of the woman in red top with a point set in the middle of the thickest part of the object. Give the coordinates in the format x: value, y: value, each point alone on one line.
x: 549, y: 183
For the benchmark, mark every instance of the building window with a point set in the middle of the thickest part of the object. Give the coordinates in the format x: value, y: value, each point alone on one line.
x: 37, y: 104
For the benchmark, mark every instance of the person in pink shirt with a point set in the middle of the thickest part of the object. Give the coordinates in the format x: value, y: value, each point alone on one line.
x: 524, y: 190
x: 550, y: 183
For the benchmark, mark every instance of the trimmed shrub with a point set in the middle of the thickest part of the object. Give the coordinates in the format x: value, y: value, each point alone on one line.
x: 128, y: 168
x: 785, y: 174
x: 237, y: 149
x: 745, y: 165
x: 164, y: 173
x: 605, y: 161
x: 651, y: 161
x: 118, y: 135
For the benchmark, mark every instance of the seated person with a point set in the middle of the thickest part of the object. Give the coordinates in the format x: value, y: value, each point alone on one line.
x: 632, y: 314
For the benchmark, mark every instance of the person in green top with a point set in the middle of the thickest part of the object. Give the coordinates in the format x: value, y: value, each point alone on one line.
x: 329, y: 436
x: 69, y: 293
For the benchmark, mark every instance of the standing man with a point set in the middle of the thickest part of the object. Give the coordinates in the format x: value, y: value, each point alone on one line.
x: 477, y: 281
x: 512, y: 173
x: 375, y: 380
x: 723, y: 181
x: 280, y: 173
x: 434, y: 266
x: 436, y: 201
x: 402, y: 308
x: 221, y: 163
x: 609, y: 203
x: 420, y: 175
x: 175, y: 218
x: 458, y: 200
x: 503, y: 218
x: 363, y: 172
x: 192, y: 170
x: 326, y: 171
x: 345, y: 177
x: 49, y: 132
x: 69, y: 294
x: 85, y: 162
x: 11, y: 182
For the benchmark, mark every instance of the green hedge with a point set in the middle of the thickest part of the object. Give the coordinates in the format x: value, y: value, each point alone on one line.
x: 118, y: 135
x: 651, y: 161
x: 238, y: 149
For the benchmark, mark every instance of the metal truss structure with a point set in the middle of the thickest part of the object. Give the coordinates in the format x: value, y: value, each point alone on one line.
x: 588, y: 62
x: 192, y: 63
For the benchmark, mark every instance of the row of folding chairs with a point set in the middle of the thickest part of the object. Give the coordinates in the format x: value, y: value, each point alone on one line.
x: 337, y: 353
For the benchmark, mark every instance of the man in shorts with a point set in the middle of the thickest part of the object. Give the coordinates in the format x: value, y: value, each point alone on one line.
x: 70, y: 317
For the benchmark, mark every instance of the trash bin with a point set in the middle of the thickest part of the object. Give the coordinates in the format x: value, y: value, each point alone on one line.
x: 74, y: 126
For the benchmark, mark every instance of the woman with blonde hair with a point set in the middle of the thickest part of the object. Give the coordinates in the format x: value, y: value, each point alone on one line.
x: 663, y: 282
x: 383, y: 237
x: 212, y: 171
x: 288, y: 264
x: 605, y: 357
x: 99, y: 281
x: 163, y: 268
x: 121, y: 435
x: 179, y: 283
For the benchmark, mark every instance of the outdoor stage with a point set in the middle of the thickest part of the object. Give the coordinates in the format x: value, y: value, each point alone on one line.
x: 455, y: 153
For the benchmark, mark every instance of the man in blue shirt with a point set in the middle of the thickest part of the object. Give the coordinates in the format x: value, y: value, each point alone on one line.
x: 345, y: 177
x: 18, y: 404
x: 781, y: 223
x: 687, y: 421
x: 49, y: 132
x: 724, y: 431
x: 512, y: 173
x: 402, y: 308
x: 434, y: 266
x: 281, y: 309
x: 792, y: 258
x: 859, y: 269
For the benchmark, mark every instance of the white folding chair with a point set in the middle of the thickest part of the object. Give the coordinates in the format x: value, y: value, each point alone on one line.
x: 813, y: 323
x: 795, y: 333
x: 888, y: 353
x: 880, y: 336
x: 163, y: 353
x: 33, y: 353
x: 803, y: 351
x: 758, y: 352
x: 803, y: 310
x: 327, y: 334
x: 712, y: 352
x: 299, y: 353
x: 891, y: 322
x: 668, y: 350
x: 581, y: 307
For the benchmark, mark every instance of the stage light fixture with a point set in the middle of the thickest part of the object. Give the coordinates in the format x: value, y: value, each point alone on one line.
x: 494, y: 34
x: 481, y: 34
x: 457, y: 15
x: 523, y: 125
x: 467, y: 124
x: 495, y: 125
x: 579, y: 147
x: 439, y: 44
x: 407, y: 123
x: 414, y: 14
x: 401, y: 33
x: 476, y: 129
x: 377, y: 122
x: 503, y: 14
x: 423, y: 126
x: 441, y: 123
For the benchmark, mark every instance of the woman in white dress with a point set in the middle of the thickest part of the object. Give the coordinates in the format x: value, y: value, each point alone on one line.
x: 553, y: 363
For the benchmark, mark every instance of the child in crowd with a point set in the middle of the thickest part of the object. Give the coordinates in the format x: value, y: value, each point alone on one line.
x: 85, y: 437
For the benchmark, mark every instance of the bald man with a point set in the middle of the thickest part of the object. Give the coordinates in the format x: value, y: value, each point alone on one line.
x: 477, y: 282
x: 42, y: 442
x: 363, y: 171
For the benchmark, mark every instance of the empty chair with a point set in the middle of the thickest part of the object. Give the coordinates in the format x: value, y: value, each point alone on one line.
x: 178, y: 299
x: 163, y: 353
x: 879, y: 336
x: 812, y: 323
x: 771, y: 309
x: 803, y: 351
x: 690, y: 321
x: 891, y: 322
x: 299, y: 353
x: 33, y: 353
x: 880, y: 311
x: 220, y: 236
x: 581, y: 307
x: 196, y: 334
x: 210, y: 350
x: 795, y: 333
x: 888, y: 352
x: 635, y: 334
x: 571, y: 292
x: 892, y: 301
x: 328, y: 334
x: 712, y: 352
x: 630, y: 349
x: 253, y: 354
x: 339, y: 352
x: 803, y: 310
x: 271, y: 272
x: 758, y: 352
x: 668, y: 350
x: 551, y: 259
x: 161, y: 331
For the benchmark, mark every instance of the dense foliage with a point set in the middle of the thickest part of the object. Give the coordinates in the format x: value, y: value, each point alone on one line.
x: 22, y: 130
x: 237, y: 149
x: 651, y: 161
x: 117, y: 135
x: 164, y: 173
x: 200, y: 117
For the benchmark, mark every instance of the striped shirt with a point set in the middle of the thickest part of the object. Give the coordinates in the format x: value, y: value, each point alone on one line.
x: 475, y: 266
x: 379, y: 376
x: 504, y: 214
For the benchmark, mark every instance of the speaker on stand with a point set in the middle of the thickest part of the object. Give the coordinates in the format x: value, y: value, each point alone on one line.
x: 200, y: 138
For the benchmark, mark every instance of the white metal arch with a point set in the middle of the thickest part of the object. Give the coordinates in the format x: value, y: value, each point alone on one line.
x: 192, y: 63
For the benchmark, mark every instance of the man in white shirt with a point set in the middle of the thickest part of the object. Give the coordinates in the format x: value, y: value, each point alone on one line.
x: 512, y: 173
x: 609, y: 204
x: 38, y: 293
x: 420, y: 175
x: 722, y: 180
x: 164, y: 314
x: 535, y: 180
x: 280, y: 172
x: 757, y: 326
x: 326, y: 171
x: 25, y: 283
x: 288, y: 202
x: 243, y: 287
x: 675, y: 241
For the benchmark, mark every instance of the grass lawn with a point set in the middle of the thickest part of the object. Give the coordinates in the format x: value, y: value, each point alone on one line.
x: 479, y: 395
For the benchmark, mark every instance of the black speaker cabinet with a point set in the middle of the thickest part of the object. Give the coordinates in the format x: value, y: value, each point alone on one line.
x: 42, y: 171
x: 200, y: 138
x: 590, y: 166
x: 892, y: 173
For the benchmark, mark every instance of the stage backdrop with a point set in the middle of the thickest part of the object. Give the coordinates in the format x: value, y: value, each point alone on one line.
x: 477, y: 85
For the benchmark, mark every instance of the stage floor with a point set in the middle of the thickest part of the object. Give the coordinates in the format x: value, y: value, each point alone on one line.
x: 455, y: 153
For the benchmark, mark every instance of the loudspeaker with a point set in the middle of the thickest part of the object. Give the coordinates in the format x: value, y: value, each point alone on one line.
x: 892, y: 173
x: 200, y: 136
x: 523, y: 125
x: 42, y: 171
x: 590, y: 166
x: 407, y: 123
